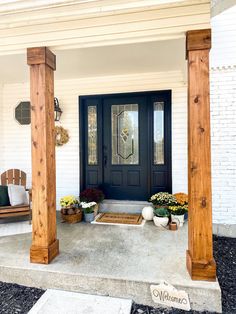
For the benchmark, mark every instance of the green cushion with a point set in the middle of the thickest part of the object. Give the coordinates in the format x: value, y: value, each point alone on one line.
x: 4, y: 198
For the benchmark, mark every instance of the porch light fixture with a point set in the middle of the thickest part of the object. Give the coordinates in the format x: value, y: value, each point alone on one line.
x: 57, y: 110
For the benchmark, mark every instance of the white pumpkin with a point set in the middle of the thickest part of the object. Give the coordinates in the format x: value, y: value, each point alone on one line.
x: 147, y: 213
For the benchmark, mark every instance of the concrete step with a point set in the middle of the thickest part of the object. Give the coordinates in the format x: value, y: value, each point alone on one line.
x: 65, y: 302
x: 122, y: 206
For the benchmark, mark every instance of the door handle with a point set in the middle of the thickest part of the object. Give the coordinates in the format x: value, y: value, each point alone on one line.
x: 105, y: 160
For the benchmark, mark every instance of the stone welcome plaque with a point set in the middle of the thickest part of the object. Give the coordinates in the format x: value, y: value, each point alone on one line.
x: 166, y: 294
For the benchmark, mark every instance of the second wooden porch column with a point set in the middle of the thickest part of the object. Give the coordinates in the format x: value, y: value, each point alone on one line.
x: 200, y: 261
x: 45, y: 245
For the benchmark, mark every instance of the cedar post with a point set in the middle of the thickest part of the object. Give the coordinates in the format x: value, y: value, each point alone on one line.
x: 45, y: 245
x: 200, y: 261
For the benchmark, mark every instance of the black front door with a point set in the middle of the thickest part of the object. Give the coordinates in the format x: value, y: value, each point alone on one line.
x: 126, y: 144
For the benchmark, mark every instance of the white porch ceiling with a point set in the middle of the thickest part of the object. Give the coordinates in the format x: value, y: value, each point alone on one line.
x: 95, y: 23
x: 103, y: 61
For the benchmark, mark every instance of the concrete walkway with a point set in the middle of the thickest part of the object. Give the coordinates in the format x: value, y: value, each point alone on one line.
x: 119, y: 261
x: 64, y: 302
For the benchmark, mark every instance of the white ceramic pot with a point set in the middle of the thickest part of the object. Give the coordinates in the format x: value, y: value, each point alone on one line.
x: 179, y: 219
x: 161, y: 221
x: 147, y: 213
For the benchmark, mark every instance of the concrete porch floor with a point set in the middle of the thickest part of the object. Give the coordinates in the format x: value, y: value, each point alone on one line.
x: 119, y: 261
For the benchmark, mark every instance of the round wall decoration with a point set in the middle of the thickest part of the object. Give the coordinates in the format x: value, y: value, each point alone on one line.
x: 62, y: 136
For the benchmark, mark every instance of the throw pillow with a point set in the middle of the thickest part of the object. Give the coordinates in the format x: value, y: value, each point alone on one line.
x: 17, y: 195
x: 4, y: 198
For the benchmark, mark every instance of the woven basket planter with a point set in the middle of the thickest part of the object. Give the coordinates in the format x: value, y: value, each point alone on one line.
x: 96, y: 210
x: 71, y: 215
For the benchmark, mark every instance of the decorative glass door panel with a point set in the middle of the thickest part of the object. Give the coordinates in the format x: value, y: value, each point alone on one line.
x: 92, y: 135
x: 158, y: 132
x: 125, y: 134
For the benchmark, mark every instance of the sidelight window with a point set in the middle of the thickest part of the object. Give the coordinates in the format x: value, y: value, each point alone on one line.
x: 158, y: 135
x: 92, y: 135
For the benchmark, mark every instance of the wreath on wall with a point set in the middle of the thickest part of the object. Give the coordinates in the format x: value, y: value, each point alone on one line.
x: 62, y: 136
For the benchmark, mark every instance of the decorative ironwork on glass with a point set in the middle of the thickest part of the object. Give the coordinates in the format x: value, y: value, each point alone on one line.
x: 158, y: 135
x: 92, y: 135
x: 125, y: 134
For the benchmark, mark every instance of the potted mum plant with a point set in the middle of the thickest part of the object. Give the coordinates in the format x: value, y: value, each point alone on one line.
x: 182, y: 199
x: 88, y: 209
x: 92, y: 195
x: 177, y: 213
x: 162, y: 199
x: 70, y: 212
x: 161, y: 216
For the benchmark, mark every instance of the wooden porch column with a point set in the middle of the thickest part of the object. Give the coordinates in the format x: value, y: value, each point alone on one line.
x: 200, y: 261
x: 45, y: 245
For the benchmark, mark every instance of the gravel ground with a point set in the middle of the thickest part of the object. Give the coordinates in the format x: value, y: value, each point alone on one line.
x: 15, y: 299
x: 225, y: 257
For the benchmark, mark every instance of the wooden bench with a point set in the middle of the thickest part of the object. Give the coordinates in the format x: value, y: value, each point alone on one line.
x: 17, y: 177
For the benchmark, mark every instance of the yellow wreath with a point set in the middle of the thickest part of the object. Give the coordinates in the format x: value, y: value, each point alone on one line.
x: 62, y: 136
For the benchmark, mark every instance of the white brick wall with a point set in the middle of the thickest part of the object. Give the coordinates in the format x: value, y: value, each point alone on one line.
x: 1, y: 129
x: 223, y: 126
x: 17, y: 137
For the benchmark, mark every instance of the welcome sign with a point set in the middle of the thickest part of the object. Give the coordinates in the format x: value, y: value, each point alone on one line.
x: 166, y: 294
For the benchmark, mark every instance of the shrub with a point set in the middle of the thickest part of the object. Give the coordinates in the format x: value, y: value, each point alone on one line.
x: 181, y: 198
x: 178, y: 210
x: 163, y: 199
x: 68, y: 200
x: 92, y: 195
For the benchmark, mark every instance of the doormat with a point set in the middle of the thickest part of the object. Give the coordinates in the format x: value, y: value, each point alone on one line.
x: 119, y: 218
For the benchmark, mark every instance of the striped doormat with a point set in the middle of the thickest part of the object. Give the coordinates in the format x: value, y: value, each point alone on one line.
x: 118, y: 218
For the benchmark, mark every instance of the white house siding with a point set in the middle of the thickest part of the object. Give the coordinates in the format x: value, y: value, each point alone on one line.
x: 80, y: 24
x: 223, y: 52
x: 17, y: 137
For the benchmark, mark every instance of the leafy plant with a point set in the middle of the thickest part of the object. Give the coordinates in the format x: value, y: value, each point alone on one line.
x: 68, y: 200
x: 163, y: 199
x: 161, y: 212
x: 88, y: 208
x: 178, y: 209
x: 92, y: 195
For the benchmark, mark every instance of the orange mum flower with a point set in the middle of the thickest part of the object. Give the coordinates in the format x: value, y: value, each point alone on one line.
x: 181, y: 198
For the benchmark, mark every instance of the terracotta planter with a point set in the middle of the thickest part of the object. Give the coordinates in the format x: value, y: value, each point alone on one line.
x: 173, y: 226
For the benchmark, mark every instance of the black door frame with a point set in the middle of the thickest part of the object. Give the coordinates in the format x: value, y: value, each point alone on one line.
x: 164, y: 94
